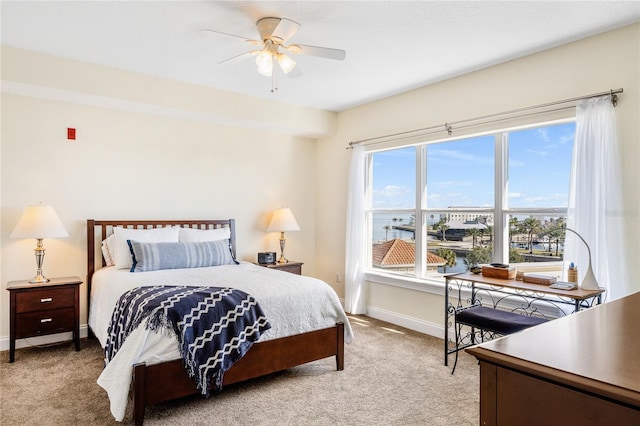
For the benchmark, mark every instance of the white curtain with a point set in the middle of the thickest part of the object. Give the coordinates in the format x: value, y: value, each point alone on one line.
x: 595, y: 198
x: 355, y: 293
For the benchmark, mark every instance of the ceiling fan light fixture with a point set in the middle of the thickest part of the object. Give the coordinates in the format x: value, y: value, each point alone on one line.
x: 286, y: 63
x: 264, y: 61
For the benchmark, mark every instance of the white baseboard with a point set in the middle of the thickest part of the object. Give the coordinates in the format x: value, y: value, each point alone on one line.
x: 41, y: 340
x: 411, y: 323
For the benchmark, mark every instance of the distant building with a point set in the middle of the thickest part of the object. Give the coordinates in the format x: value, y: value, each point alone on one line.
x: 467, y: 217
x: 400, y: 255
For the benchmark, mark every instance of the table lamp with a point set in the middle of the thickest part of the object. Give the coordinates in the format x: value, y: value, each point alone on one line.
x: 281, y: 221
x: 589, y: 282
x: 39, y: 222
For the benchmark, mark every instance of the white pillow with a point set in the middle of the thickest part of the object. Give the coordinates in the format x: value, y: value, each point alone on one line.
x: 194, y: 235
x: 107, y: 250
x: 120, y: 249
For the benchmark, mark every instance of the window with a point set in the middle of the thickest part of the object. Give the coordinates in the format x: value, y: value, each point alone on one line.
x: 439, y: 207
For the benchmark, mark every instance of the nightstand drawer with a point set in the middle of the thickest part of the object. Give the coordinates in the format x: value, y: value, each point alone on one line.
x: 44, y: 322
x: 50, y: 298
x: 293, y: 268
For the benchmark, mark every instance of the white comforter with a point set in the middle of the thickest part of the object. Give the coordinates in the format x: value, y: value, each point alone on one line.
x: 293, y: 304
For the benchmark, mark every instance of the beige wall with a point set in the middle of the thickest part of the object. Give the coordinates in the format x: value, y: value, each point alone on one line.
x: 153, y: 148
x: 146, y: 148
x: 593, y: 65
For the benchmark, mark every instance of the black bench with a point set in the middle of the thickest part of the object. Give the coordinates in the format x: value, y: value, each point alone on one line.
x: 492, y: 320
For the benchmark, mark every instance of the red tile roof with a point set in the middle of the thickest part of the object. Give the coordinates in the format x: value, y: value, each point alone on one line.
x: 400, y: 252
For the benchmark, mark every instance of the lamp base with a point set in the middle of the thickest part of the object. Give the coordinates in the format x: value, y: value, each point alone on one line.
x: 283, y: 240
x: 39, y: 279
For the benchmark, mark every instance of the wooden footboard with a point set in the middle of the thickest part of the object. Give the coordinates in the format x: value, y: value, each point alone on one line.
x: 153, y: 384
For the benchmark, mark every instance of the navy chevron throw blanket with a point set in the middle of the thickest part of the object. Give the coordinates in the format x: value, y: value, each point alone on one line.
x: 215, y: 326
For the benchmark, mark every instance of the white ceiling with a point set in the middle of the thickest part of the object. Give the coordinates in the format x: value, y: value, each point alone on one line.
x: 392, y: 46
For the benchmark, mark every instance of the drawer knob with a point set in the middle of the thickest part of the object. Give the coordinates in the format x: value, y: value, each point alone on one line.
x: 43, y: 320
x: 46, y: 299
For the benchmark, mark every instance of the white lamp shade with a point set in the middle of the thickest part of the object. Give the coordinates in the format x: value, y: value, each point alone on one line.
x: 283, y: 220
x: 39, y: 222
x: 264, y: 61
x: 286, y: 63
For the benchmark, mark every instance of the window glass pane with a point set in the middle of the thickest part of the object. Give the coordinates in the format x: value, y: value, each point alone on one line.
x: 459, y: 240
x: 461, y: 173
x: 536, y: 238
x: 539, y: 166
x: 393, y: 245
x: 394, y: 178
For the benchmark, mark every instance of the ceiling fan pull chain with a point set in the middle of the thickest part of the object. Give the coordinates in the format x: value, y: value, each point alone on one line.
x: 274, y: 82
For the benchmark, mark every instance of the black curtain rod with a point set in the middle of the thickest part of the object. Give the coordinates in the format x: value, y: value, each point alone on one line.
x: 448, y: 127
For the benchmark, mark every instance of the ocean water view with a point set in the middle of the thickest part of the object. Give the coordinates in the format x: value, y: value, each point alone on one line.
x: 381, y: 220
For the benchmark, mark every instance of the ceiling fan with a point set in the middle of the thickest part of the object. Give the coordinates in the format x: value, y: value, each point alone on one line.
x: 274, y: 33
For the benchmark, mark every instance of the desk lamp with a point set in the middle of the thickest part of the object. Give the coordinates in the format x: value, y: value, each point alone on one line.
x: 589, y: 281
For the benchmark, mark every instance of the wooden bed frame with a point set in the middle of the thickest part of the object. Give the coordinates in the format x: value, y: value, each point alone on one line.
x: 153, y: 384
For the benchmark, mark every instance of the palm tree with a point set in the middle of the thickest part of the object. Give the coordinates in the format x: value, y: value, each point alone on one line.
x: 489, y: 232
x: 474, y: 233
x: 556, y: 235
x: 449, y: 256
x: 530, y: 226
x: 442, y: 227
x: 514, y: 225
x: 386, y: 232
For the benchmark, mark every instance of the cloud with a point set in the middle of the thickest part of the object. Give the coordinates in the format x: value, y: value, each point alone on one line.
x: 451, y: 183
x: 539, y: 153
x: 391, y: 191
x: 458, y: 156
x: 544, y: 135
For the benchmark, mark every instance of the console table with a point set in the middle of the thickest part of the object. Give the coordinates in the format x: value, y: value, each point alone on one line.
x: 470, y: 289
x: 581, y: 369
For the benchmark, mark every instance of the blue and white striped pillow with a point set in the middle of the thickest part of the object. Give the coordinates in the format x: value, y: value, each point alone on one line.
x: 155, y: 256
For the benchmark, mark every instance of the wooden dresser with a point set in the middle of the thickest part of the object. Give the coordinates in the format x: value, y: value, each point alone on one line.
x: 582, y: 369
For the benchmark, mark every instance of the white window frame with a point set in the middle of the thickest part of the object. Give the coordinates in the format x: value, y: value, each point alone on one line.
x: 501, y: 212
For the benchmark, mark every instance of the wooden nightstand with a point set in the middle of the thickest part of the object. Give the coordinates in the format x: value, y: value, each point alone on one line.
x: 291, y: 266
x: 41, y: 309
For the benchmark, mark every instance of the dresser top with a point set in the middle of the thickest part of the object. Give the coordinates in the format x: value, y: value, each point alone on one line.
x: 596, y: 349
x: 22, y: 284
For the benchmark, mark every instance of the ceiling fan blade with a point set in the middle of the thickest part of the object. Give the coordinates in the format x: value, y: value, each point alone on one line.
x: 240, y: 57
x: 285, y: 30
x: 323, y: 52
x: 247, y: 39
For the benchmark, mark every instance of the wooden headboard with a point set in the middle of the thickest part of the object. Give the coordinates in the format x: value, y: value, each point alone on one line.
x: 98, y: 230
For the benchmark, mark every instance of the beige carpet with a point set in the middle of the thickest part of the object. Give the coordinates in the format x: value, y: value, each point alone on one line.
x: 392, y: 376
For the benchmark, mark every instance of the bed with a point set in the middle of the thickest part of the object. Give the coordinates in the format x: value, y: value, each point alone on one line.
x: 154, y: 372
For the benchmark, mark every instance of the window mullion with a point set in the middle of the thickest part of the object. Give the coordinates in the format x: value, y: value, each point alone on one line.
x: 500, y: 223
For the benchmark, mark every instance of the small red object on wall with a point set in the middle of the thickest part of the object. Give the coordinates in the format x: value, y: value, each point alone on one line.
x: 71, y: 134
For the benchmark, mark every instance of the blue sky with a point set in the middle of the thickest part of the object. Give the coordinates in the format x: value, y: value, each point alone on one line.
x: 461, y: 173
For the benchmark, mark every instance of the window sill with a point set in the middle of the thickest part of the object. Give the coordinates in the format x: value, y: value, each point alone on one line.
x: 434, y: 285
